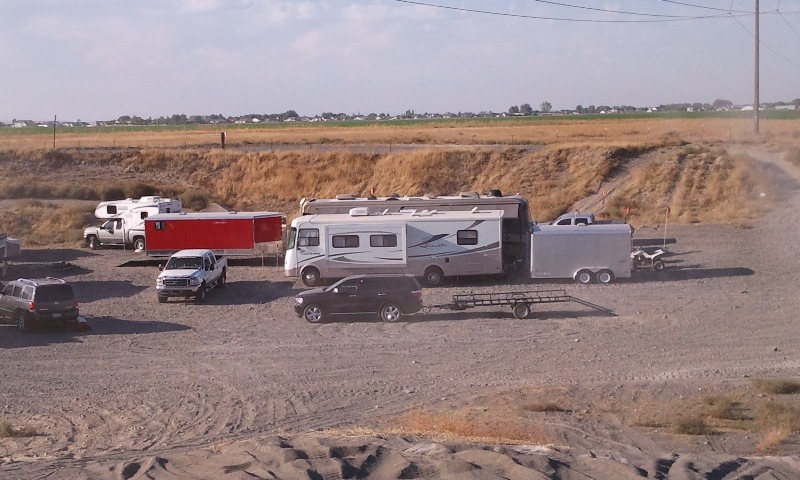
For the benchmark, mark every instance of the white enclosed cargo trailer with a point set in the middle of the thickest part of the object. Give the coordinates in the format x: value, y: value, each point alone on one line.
x: 429, y: 244
x: 600, y: 253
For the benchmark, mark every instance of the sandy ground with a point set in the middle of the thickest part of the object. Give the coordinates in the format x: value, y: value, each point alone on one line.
x: 240, y: 387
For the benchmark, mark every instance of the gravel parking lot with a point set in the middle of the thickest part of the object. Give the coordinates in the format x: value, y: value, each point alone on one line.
x: 241, y: 373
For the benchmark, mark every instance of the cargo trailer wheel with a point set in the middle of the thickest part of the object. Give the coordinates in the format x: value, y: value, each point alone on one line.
x: 310, y: 277
x: 138, y: 243
x: 25, y: 322
x: 521, y: 310
x: 658, y: 265
x: 390, y: 312
x: 200, y: 296
x: 313, y: 314
x: 433, y: 276
x: 605, y: 277
x: 584, y: 277
x: 94, y: 243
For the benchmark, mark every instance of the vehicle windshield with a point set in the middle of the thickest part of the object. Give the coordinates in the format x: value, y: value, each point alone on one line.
x: 192, y: 263
x: 54, y: 293
x: 292, y: 238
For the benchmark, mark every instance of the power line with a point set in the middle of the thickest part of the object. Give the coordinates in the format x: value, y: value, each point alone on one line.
x: 661, y: 19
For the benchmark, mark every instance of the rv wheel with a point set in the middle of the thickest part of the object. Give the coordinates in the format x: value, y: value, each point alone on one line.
x: 311, y: 277
x: 584, y: 277
x: 605, y: 277
x: 94, y: 243
x: 390, y: 312
x: 521, y: 310
x: 138, y: 243
x: 313, y: 314
x: 434, y: 276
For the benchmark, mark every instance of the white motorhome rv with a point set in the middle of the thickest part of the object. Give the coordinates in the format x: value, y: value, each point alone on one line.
x: 516, y: 213
x: 427, y: 243
x: 125, y: 220
x: 600, y: 253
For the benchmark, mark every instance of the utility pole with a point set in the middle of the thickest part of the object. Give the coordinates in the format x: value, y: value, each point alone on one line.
x: 756, y: 102
x: 55, y: 120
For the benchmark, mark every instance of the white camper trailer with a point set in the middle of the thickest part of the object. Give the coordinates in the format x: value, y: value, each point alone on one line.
x: 152, y: 204
x: 599, y: 253
x: 427, y: 243
x: 125, y: 220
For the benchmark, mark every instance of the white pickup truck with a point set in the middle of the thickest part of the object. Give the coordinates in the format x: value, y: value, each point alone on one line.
x: 191, y: 273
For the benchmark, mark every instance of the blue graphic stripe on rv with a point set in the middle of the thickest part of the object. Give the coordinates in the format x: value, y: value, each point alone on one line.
x: 445, y: 235
x: 345, y: 259
x: 491, y: 246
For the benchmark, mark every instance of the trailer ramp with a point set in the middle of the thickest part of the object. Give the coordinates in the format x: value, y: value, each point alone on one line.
x: 521, y: 303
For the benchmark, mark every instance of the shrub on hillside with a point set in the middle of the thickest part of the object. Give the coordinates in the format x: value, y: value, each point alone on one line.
x: 194, y: 200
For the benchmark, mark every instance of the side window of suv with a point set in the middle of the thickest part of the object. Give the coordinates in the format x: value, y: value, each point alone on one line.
x: 27, y: 293
x: 8, y: 289
x: 17, y: 291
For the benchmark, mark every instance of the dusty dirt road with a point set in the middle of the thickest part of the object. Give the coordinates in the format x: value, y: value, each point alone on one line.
x: 239, y: 387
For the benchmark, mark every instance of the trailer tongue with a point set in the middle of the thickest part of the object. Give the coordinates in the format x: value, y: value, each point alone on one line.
x: 521, y: 303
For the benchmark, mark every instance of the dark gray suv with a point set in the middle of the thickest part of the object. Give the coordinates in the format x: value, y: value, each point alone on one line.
x: 389, y: 295
x: 31, y: 302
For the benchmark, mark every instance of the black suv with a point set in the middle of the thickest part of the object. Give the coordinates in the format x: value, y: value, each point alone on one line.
x: 389, y: 295
x: 29, y: 302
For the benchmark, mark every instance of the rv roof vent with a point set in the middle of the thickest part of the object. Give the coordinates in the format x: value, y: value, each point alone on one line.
x: 345, y: 196
x: 429, y: 196
x: 469, y: 195
x: 494, y: 193
x: 371, y: 197
x: 359, y: 212
x: 474, y: 209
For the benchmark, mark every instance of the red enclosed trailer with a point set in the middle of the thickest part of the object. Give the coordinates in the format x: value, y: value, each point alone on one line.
x: 226, y: 233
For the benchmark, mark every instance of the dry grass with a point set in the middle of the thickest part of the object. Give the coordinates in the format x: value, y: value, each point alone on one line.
x: 474, y: 425
x: 9, y: 431
x: 776, y: 386
x: 692, y: 426
x: 577, y: 160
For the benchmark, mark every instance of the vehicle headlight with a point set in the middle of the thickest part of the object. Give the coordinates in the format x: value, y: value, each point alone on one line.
x: 160, y: 281
x: 298, y: 300
x: 194, y: 282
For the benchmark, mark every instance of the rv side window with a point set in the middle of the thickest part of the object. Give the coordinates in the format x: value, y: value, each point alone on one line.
x: 162, y: 225
x: 143, y: 215
x: 344, y: 241
x: 111, y: 209
x: 308, y: 237
x: 383, y: 240
x: 467, y: 237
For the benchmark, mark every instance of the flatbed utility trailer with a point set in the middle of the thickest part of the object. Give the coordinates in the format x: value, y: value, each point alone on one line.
x: 520, y: 302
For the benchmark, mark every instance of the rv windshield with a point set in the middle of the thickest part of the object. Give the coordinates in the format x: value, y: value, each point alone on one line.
x: 292, y: 239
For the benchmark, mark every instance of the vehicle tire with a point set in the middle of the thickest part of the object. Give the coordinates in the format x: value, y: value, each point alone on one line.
x: 310, y: 277
x: 162, y: 298
x: 658, y: 265
x: 605, y: 277
x: 314, y: 314
x: 521, y: 310
x: 138, y: 243
x: 94, y: 243
x: 584, y: 277
x: 223, y: 279
x: 433, y: 276
x: 390, y: 312
x: 25, y: 322
x: 200, y: 296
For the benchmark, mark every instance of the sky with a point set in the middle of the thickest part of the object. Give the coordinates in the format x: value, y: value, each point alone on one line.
x: 95, y: 60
